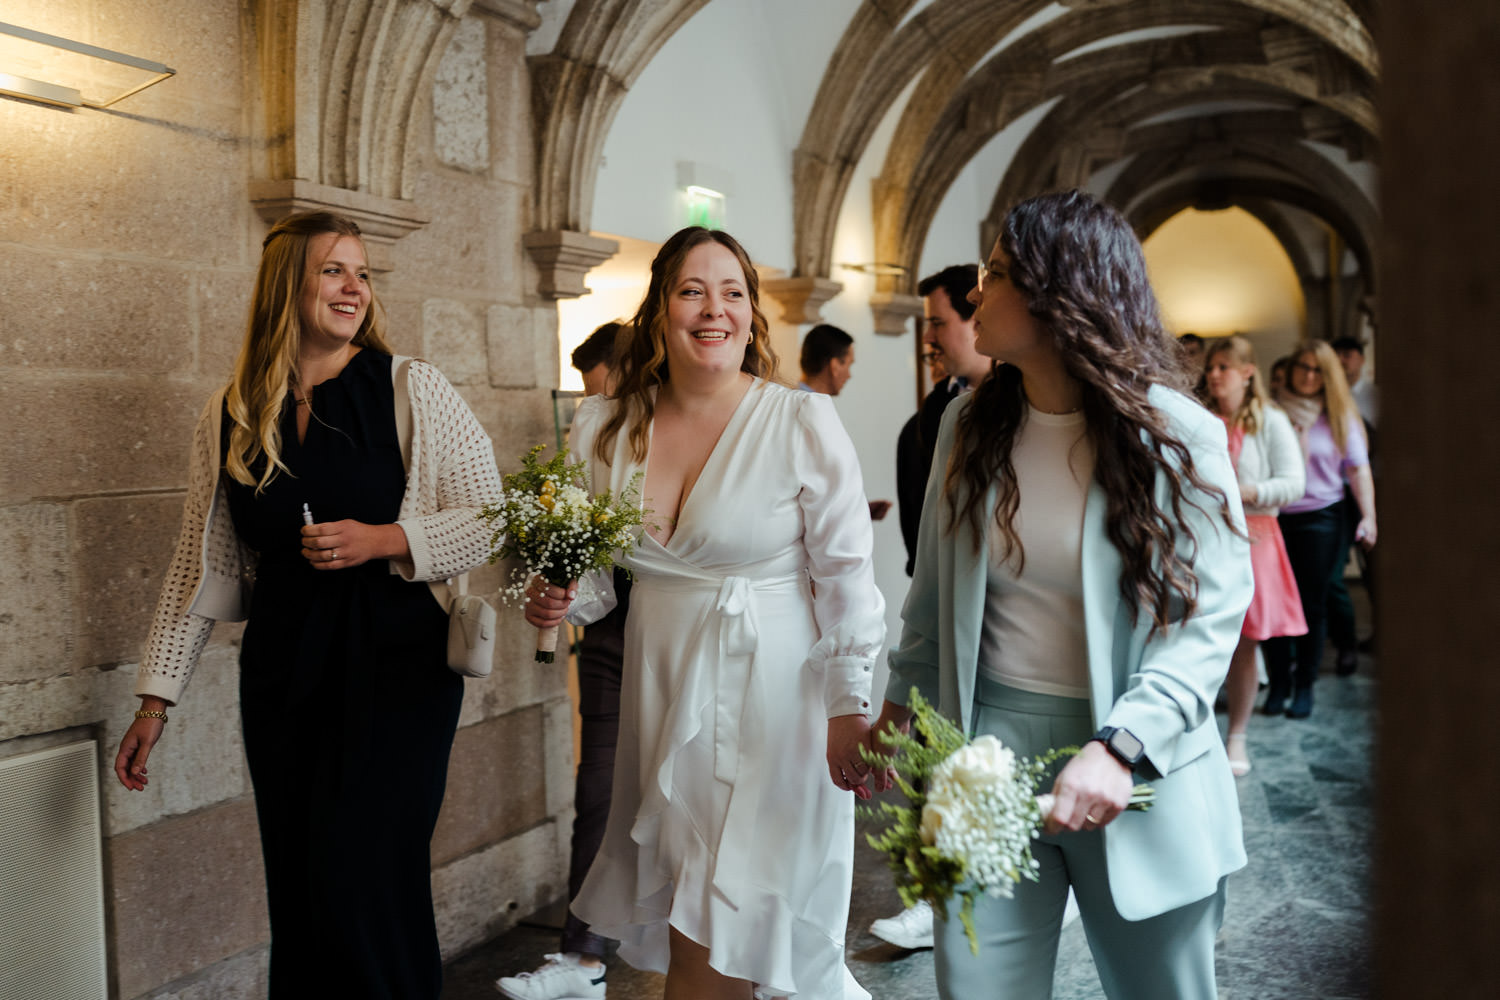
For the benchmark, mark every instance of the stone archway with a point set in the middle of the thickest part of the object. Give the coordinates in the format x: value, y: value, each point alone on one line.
x: 883, y: 50
x: 338, y: 84
x: 576, y: 89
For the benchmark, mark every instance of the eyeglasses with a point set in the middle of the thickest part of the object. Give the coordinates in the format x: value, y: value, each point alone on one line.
x: 989, y: 275
x: 1310, y: 369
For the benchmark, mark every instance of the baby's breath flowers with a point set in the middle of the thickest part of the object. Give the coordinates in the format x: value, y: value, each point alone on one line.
x: 971, y: 813
x: 547, y: 519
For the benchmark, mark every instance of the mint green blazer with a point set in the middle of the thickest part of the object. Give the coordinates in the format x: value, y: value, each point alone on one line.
x: 1161, y: 688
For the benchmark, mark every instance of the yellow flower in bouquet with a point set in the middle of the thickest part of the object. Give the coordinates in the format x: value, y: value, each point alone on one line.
x: 548, y: 520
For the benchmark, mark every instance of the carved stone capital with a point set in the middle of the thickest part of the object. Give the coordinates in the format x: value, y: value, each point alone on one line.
x: 564, y: 258
x: 520, y: 13
x: 892, y: 310
x: 382, y: 221
x: 801, y: 299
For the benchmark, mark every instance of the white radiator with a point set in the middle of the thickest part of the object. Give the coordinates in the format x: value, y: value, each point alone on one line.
x: 51, y: 882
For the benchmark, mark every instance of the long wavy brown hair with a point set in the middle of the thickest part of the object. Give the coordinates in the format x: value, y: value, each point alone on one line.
x: 267, y: 366
x: 1083, y: 274
x: 641, y: 350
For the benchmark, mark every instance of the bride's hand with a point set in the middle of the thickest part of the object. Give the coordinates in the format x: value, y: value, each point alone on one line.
x: 846, y: 766
x: 891, y: 715
x: 547, y: 604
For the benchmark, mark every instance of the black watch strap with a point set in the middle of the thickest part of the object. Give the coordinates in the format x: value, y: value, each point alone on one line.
x: 1125, y: 745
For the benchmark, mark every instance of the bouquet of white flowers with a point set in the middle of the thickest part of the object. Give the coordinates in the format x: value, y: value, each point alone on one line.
x: 547, y: 519
x: 971, y: 813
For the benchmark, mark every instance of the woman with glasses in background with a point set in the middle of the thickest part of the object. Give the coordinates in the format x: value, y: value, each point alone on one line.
x: 1316, y: 398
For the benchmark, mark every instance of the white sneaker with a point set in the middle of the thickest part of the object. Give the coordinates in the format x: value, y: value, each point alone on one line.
x: 911, y: 928
x: 562, y: 978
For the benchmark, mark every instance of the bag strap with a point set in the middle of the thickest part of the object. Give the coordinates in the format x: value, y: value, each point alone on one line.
x: 399, y: 379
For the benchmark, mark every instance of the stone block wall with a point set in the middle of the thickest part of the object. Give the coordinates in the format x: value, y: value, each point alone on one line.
x: 128, y: 242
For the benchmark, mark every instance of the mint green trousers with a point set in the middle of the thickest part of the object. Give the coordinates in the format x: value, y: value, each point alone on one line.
x: 1167, y: 957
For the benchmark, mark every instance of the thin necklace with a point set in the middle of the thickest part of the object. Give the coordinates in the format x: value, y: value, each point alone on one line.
x: 1055, y: 413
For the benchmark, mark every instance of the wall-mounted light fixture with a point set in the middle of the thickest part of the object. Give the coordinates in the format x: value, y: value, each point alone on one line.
x: 41, y: 67
x: 705, y: 191
x: 876, y: 269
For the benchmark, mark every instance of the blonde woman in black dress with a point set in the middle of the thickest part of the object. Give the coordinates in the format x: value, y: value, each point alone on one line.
x: 306, y: 515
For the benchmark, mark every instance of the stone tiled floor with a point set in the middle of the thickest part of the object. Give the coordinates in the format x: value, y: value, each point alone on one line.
x: 1294, y: 928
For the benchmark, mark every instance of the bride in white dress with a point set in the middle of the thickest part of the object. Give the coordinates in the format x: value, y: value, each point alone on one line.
x: 753, y: 627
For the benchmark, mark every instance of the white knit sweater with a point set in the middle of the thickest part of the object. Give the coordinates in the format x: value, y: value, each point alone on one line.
x: 451, y: 474
x: 1272, y: 462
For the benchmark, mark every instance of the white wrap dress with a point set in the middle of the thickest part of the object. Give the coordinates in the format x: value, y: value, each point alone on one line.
x: 755, y: 623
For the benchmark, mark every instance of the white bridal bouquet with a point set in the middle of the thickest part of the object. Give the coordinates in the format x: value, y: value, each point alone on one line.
x: 971, y: 812
x: 547, y: 519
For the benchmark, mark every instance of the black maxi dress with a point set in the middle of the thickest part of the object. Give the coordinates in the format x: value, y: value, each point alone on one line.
x: 349, y: 711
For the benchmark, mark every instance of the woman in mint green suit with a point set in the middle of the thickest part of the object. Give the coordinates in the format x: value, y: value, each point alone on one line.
x: 1081, y: 577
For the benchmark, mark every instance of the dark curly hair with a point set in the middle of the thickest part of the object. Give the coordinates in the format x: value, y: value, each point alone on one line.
x: 642, y: 351
x: 1082, y: 271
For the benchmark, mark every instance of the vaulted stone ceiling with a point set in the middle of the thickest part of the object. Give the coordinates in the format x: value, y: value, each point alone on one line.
x: 1189, y: 102
x: 1262, y: 104
x: 1164, y: 104
x: 1158, y: 104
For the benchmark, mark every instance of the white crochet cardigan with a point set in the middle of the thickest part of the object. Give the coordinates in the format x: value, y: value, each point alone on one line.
x: 1271, y: 461
x: 451, y: 474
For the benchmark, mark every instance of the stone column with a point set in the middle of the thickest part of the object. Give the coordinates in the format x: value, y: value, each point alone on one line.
x: 1436, y: 877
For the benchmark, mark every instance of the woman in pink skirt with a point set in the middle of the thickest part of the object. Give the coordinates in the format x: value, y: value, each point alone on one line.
x: 1269, y: 465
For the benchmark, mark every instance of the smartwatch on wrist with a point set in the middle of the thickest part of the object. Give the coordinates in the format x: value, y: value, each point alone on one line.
x: 1125, y: 745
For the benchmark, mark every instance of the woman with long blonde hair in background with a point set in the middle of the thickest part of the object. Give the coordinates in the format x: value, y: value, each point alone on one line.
x: 1316, y: 398
x: 1268, y: 464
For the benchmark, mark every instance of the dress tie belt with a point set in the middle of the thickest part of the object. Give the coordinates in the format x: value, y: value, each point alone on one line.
x: 736, y: 625
x: 727, y: 642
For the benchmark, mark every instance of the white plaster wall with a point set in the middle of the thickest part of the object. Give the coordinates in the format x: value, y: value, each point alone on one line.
x: 881, y: 393
x: 729, y: 90
x: 1217, y: 273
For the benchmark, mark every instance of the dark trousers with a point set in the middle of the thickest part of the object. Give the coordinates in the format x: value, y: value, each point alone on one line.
x: 1312, y: 546
x: 600, y: 657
